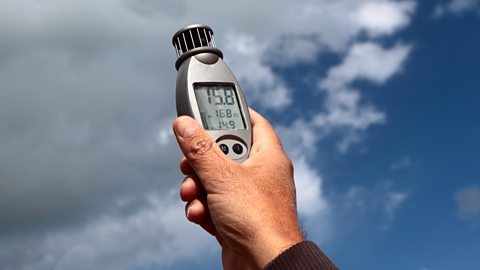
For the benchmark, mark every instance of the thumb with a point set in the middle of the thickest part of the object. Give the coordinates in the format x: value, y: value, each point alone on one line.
x: 202, y: 153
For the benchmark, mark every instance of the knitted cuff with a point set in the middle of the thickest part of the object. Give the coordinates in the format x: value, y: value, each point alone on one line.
x: 302, y: 256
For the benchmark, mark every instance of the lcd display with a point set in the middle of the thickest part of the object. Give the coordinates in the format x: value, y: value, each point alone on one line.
x: 219, y: 107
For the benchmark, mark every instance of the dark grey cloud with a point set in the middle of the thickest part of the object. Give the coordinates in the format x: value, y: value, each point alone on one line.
x: 169, y: 8
x: 85, y: 103
x: 65, y: 126
x: 82, y: 103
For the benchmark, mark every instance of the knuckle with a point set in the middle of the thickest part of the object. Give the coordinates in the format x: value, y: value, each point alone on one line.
x: 199, y: 147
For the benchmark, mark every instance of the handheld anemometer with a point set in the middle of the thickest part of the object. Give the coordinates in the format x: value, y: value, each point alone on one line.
x: 208, y: 91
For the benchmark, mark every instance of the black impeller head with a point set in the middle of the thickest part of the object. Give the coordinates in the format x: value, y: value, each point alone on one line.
x: 192, y: 40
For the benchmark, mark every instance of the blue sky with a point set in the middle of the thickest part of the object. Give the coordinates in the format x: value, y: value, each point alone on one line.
x: 376, y: 102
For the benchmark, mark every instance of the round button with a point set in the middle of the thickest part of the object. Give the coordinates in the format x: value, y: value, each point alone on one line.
x: 224, y: 148
x: 238, y: 149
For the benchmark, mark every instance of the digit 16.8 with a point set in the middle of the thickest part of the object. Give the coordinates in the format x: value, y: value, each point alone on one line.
x: 222, y: 113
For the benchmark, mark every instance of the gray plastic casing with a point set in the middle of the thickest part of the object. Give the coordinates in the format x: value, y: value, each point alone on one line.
x: 209, y: 68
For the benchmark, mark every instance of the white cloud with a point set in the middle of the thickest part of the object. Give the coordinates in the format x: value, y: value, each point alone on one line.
x: 468, y: 202
x: 349, y: 18
x: 311, y: 201
x: 384, y: 17
x: 299, y: 138
x: 344, y: 108
x: 367, y: 61
x: 262, y: 86
x: 290, y: 50
x: 345, y: 112
x: 456, y: 7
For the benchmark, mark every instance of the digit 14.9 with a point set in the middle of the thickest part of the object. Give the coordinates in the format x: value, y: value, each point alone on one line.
x: 227, y: 124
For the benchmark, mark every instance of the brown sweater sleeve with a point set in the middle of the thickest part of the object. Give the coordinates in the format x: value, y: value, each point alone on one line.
x: 302, y: 256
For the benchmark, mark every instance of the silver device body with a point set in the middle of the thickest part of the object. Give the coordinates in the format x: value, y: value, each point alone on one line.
x: 208, y: 91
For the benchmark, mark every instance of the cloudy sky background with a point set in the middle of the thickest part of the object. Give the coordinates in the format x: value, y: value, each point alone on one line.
x: 376, y: 101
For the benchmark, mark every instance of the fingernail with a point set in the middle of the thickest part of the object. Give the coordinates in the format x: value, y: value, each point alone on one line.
x: 186, y: 127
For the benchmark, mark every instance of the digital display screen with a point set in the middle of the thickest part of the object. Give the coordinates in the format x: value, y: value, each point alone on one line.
x: 219, y: 107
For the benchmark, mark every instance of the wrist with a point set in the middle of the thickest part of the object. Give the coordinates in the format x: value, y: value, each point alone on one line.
x: 268, y: 246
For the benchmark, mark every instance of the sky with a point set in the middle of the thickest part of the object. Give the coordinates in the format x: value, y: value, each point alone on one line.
x: 376, y: 102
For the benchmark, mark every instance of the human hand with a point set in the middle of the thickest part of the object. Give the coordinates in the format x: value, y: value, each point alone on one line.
x: 250, y: 207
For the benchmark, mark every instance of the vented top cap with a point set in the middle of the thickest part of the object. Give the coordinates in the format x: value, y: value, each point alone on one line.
x: 194, y: 39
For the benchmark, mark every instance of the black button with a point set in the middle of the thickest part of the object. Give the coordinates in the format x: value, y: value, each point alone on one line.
x: 238, y: 149
x: 224, y: 148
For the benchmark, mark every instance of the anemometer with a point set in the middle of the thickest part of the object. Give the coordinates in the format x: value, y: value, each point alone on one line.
x: 208, y: 91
